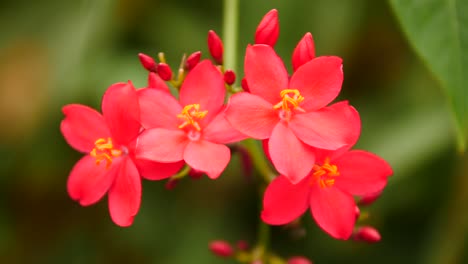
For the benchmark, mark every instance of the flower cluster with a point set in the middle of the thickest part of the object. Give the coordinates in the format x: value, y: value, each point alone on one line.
x: 149, y: 133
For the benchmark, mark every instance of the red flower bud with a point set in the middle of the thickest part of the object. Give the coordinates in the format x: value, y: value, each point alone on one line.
x: 242, y: 245
x: 367, y: 234
x: 304, y: 51
x: 357, y: 211
x: 244, y: 85
x: 171, y: 184
x: 192, y: 60
x: 195, y: 175
x: 147, y: 62
x: 229, y: 77
x: 164, y: 71
x: 369, y: 198
x: 221, y: 248
x: 299, y: 260
x: 215, y: 45
x: 268, y: 30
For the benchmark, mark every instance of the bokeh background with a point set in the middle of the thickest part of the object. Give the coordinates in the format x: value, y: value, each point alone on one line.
x: 55, y: 52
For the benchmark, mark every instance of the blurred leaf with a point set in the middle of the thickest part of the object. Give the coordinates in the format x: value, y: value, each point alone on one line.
x: 438, y: 30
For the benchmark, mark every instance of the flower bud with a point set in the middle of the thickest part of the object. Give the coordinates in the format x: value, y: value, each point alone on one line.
x: 268, y: 30
x: 304, y: 51
x: 221, y: 248
x: 195, y: 175
x: 147, y: 62
x: 229, y: 77
x: 357, y: 211
x: 164, y: 71
x: 215, y: 46
x: 243, y: 245
x: 192, y: 60
x: 299, y: 260
x: 369, y: 198
x: 244, y: 85
x: 367, y: 234
x: 171, y: 184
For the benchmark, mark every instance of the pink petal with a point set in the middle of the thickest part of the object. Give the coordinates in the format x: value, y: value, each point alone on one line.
x: 333, y: 210
x: 319, y: 81
x: 152, y: 170
x: 204, y: 85
x: 125, y: 194
x: 161, y: 145
x: 219, y: 130
x: 82, y: 126
x: 88, y: 182
x: 155, y: 82
x: 289, y: 155
x: 158, y: 109
x: 362, y: 172
x: 283, y: 202
x: 251, y: 115
x: 329, y: 128
x: 265, y: 73
x: 208, y: 157
x: 121, y: 111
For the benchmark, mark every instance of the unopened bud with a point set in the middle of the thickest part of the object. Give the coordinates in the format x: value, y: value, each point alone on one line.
x: 221, y: 248
x: 299, y: 260
x: 194, y: 174
x: 268, y: 30
x: 367, y: 234
x: 229, y: 77
x: 171, y: 184
x: 193, y: 60
x: 147, y: 62
x: 215, y: 46
x: 164, y: 71
x: 357, y: 212
x: 369, y: 198
x: 243, y: 245
x: 244, y: 85
x: 304, y: 51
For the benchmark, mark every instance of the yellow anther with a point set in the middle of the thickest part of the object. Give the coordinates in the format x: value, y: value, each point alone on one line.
x: 291, y: 98
x: 104, y: 150
x: 191, y: 114
x: 323, y: 173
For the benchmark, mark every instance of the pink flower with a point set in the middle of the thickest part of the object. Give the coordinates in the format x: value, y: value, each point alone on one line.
x: 109, y: 165
x: 193, y: 129
x: 328, y: 190
x: 293, y: 113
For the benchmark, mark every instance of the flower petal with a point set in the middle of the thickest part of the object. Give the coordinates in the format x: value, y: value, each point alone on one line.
x: 333, y: 210
x: 158, y: 109
x: 208, y: 157
x: 289, y: 155
x: 155, y: 82
x: 329, y: 128
x: 219, y: 130
x: 125, y: 194
x: 204, y: 85
x: 251, y: 115
x: 283, y: 202
x: 362, y: 172
x: 88, y: 182
x: 265, y: 73
x: 121, y: 111
x: 161, y: 145
x: 319, y: 81
x: 82, y: 126
x: 152, y: 170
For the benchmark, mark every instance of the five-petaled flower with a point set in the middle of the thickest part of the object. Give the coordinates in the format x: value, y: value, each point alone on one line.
x: 193, y: 129
x: 292, y: 114
x: 110, y: 165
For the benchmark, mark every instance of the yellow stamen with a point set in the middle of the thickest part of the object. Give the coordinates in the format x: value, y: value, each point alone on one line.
x: 191, y: 114
x: 104, y: 150
x: 323, y: 173
x: 291, y: 98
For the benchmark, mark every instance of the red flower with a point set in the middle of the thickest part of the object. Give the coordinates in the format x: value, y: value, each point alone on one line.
x: 292, y: 113
x: 193, y: 129
x: 110, y: 165
x: 327, y: 190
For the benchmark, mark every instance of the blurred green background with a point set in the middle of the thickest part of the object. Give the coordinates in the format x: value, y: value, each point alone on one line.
x: 54, y: 53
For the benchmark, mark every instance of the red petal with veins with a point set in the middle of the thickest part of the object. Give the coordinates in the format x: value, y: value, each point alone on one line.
x: 265, y: 73
x: 82, y: 126
x: 161, y: 145
x: 125, y: 194
x: 289, y: 155
x: 219, y: 130
x: 333, y: 210
x: 121, y: 111
x: 319, y: 81
x: 158, y: 109
x: 283, y: 202
x: 208, y: 157
x: 152, y: 170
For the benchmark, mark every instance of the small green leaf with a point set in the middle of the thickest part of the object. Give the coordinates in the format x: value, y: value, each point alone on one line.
x: 438, y: 30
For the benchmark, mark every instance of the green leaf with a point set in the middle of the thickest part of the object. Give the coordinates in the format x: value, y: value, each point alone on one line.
x: 438, y: 31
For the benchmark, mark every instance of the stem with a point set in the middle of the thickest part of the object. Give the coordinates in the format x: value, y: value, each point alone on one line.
x: 258, y: 160
x: 230, y: 30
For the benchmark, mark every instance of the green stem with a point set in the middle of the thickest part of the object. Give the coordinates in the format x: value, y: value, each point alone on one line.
x: 230, y: 32
x: 258, y: 159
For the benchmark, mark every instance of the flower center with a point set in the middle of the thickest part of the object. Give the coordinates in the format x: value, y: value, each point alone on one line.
x: 104, y: 150
x: 190, y: 115
x: 291, y: 98
x: 324, y: 174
